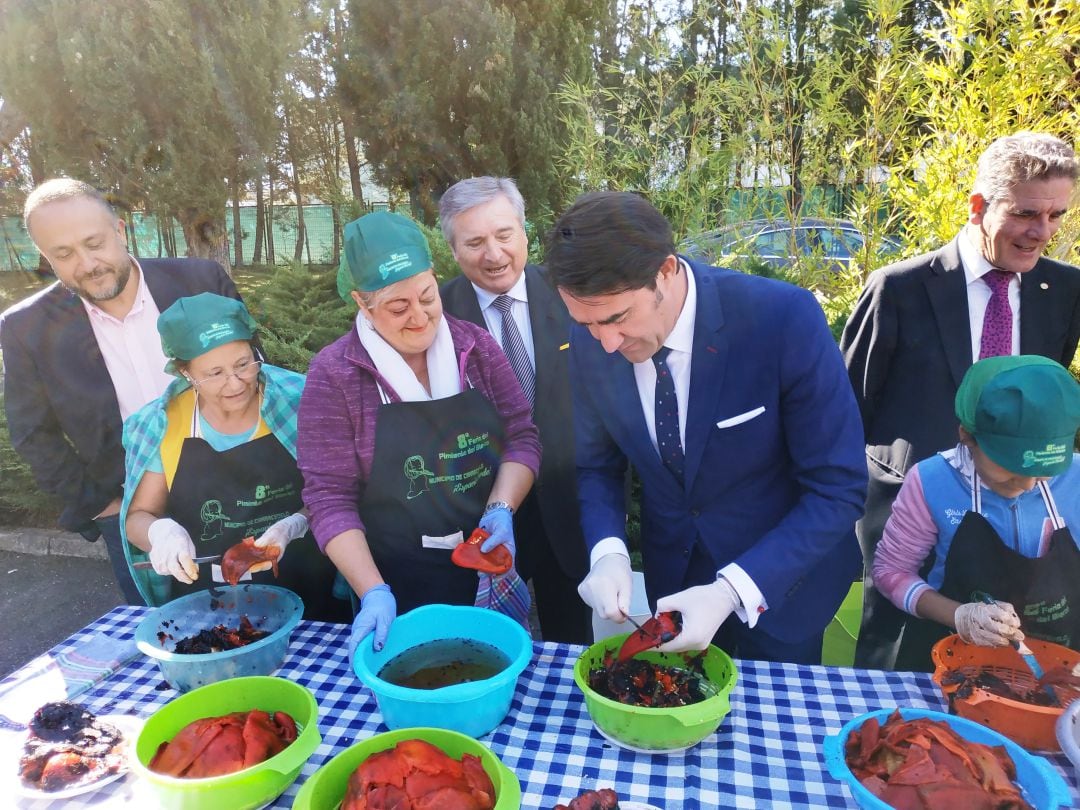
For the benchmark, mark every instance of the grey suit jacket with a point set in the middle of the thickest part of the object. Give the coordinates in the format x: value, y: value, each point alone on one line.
x: 61, y: 406
x: 556, y: 487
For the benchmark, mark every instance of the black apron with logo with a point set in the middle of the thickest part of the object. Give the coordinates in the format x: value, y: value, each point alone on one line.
x: 1044, y: 590
x: 431, y: 474
x: 223, y: 497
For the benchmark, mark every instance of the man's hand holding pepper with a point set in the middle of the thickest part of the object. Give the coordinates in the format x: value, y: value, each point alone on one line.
x: 704, y: 608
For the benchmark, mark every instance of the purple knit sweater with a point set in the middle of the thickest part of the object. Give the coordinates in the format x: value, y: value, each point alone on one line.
x: 338, y: 411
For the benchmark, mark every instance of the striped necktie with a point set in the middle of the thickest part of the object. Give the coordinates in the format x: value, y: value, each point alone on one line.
x: 514, y: 347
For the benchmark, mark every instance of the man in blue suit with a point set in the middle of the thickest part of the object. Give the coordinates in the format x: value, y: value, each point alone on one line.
x: 729, y: 396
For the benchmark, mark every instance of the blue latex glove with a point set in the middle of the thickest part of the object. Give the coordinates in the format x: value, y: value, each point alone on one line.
x: 378, y: 609
x: 499, y: 523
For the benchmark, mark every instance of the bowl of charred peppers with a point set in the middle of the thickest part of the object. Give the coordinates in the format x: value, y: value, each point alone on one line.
x: 213, y: 635
x: 993, y: 686
x: 233, y: 745
x: 413, y: 767
x: 918, y: 758
x: 650, y: 701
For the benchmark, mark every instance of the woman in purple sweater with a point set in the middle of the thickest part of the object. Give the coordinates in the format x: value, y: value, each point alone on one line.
x: 412, y: 430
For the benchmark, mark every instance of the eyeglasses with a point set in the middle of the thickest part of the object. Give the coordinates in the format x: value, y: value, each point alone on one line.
x: 246, y: 372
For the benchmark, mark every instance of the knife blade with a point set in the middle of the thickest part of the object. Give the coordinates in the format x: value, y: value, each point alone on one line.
x: 197, y: 560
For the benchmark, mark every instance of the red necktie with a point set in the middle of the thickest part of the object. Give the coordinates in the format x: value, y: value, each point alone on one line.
x: 998, y: 319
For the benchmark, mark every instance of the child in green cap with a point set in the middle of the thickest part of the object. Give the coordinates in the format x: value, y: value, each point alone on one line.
x: 992, y: 516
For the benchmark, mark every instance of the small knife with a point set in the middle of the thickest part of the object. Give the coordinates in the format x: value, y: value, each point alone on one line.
x: 196, y: 560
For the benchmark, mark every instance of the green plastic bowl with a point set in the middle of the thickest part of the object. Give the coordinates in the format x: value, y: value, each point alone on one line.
x: 641, y: 728
x: 326, y: 787
x: 244, y: 790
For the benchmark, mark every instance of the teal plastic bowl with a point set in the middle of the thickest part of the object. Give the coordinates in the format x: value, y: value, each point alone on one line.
x: 1040, y: 784
x: 473, y: 708
x: 267, y: 607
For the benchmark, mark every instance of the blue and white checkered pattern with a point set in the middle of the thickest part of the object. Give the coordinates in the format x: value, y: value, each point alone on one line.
x: 767, y: 752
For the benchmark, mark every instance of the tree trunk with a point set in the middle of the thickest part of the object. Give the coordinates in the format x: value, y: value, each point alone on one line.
x: 260, y: 222
x: 37, y: 171
x: 353, y: 158
x: 347, y: 128
x: 205, y: 236
x: 133, y: 241
x: 271, y: 253
x: 290, y: 134
x: 238, y: 231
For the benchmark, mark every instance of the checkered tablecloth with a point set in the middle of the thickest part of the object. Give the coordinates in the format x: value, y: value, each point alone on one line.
x: 767, y: 752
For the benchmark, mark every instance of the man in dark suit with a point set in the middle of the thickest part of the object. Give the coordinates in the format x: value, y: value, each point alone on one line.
x: 483, y: 219
x: 728, y: 395
x: 920, y: 324
x: 83, y: 354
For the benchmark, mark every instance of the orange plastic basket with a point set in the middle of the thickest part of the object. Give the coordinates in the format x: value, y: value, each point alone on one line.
x: 1028, y: 725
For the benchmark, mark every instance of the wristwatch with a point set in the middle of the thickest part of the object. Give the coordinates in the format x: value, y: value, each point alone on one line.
x: 491, y: 507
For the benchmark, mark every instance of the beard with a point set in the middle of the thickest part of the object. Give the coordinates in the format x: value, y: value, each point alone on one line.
x: 120, y: 278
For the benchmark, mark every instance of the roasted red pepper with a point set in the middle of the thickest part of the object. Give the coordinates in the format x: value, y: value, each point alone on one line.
x: 656, y: 631
x: 469, y: 555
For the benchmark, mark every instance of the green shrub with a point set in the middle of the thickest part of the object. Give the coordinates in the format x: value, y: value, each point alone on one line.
x: 299, y: 312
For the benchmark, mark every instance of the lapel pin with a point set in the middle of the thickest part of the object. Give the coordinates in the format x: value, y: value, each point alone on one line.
x: 1044, y: 286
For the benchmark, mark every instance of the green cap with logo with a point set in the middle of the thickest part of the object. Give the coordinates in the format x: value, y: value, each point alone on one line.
x: 1023, y: 411
x: 380, y: 249
x: 194, y: 325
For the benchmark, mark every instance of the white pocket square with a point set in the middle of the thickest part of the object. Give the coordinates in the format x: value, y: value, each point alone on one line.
x: 742, y: 417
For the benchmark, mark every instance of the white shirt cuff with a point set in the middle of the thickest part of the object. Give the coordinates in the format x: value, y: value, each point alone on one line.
x: 753, y: 601
x: 609, y: 545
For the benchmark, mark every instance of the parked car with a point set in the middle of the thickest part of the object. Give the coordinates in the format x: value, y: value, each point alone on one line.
x: 780, y: 243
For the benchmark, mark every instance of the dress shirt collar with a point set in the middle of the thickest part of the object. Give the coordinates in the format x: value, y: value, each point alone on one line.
x: 486, y: 298
x: 681, y: 337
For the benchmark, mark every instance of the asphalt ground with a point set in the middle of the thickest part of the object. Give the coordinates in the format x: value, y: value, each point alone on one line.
x: 53, y: 583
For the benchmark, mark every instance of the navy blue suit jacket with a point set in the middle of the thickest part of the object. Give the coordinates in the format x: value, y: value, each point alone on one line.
x: 778, y: 493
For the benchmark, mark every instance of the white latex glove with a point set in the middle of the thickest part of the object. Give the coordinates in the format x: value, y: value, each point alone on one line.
x: 987, y: 625
x: 608, y: 586
x: 171, y: 550
x: 280, y: 535
x: 704, y: 608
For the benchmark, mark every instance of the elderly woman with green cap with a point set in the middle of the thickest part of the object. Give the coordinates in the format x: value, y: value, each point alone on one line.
x: 212, y: 461
x: 992, y: 516
x: 413, y: 430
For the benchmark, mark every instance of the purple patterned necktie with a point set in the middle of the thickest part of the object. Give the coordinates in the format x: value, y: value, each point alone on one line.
x: 998, y: 319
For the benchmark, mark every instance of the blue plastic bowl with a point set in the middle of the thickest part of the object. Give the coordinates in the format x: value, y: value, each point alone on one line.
x: 268, y: 607
x: 1041, y: 785
x: 473, y: 708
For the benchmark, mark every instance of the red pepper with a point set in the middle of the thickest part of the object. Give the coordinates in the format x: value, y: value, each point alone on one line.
x: 656, y: 631
x: 469, y: 555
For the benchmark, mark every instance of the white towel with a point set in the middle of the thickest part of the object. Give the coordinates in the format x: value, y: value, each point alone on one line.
x: 442, y: 366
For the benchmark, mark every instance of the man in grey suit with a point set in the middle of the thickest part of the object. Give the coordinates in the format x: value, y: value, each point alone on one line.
x: 83, y: 354
x: 919, y: 324
x: 483, y: 220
